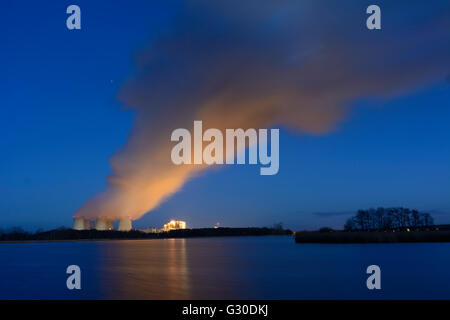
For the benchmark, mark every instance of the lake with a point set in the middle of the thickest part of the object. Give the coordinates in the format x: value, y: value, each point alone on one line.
x: 272, y: 267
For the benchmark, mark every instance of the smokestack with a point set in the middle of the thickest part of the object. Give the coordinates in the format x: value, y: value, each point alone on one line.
x: 125, y: 224
x: 104, y: 224
x: 78, y: 223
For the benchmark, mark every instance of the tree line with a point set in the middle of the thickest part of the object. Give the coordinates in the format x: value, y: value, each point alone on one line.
x: 388, y: 219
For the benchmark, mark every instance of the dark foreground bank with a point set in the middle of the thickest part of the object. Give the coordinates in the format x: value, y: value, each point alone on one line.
x: 70, y: 234
x: 372, y: 236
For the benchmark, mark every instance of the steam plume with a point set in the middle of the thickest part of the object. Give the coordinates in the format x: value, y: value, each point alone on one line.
x: 253, y: 64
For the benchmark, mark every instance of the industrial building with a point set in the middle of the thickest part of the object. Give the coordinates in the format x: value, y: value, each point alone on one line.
x: 174, y: 225
x: 81, y: 223
x: 89, y: 224
x: 150, y: 230
x: 78, y: 223
x: 103, y: 224
x: 125, y: 224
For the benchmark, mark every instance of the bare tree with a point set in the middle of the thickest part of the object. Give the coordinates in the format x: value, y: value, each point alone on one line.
x: 389, y: 218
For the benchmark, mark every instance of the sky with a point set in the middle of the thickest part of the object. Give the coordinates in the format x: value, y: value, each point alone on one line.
x: 62, y: 118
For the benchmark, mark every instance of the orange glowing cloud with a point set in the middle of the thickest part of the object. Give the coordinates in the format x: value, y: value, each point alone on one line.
x: 253, y: 65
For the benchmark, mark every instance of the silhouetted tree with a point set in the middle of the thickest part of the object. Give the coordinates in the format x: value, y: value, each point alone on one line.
x: 350, y: 224
x: 415, y: 218
x: 362, y: 219
x: 388, y: 218
x: 16, y: 230
x: 427, y: 220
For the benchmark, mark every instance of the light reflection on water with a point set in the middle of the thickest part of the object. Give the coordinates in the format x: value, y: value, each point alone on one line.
x: 223, y: 268
x: 171, y: 269
x: 145, y: 270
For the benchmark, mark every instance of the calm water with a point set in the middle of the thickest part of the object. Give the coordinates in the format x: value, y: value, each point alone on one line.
x: 220, y: 268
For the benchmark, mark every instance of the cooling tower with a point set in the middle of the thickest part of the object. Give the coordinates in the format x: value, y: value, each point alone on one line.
x: 78, y: 223
x: 89, y: 224
x: 104, y: 224
x: 124, y: 224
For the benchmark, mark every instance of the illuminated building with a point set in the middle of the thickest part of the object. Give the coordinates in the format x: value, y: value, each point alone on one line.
x: 174, y: 225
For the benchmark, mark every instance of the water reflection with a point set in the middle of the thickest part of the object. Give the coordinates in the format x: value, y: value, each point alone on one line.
x: 178, y: 270
x: 223, y: 268
x: 145, y: 269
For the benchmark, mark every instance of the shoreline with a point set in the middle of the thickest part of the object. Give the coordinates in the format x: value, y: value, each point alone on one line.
x: 362, y: 237
x: 142, y: 239
x: 68, y: 235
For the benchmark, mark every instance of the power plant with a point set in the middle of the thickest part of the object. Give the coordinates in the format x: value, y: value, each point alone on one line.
x: 124, y: 224
x: 78, y: 223
x: 89, y: 224
x: 101, y: 224
x: 174, y: 225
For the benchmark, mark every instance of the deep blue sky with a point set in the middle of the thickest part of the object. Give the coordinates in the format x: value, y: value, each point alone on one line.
x: 60, y: 122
